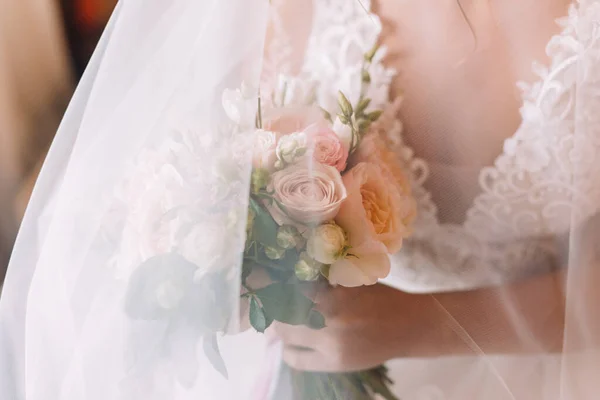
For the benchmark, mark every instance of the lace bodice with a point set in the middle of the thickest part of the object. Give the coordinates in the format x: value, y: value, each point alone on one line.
x: 514, y: 225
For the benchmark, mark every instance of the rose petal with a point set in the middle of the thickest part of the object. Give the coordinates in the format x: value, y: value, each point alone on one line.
x: 368, y: 263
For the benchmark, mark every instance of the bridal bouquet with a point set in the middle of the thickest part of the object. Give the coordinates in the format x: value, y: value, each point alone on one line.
x: 328, y: 202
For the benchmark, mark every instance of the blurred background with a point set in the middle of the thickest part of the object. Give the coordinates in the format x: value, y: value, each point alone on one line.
x: 44, y: 48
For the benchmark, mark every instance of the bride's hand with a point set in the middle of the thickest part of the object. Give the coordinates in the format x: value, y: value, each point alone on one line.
x: 369, y: 325
x: 366, y: 326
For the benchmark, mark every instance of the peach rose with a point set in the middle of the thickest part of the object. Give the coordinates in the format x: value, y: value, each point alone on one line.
x: 374, y: 150
x: 327, y: 148
x: 309, y: 193
x: 374, y: 208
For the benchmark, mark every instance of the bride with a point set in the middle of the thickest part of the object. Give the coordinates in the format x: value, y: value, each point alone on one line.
x: 491, y: 105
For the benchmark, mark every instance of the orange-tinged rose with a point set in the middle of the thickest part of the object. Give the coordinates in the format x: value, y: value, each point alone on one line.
x: 374, y: 208
x: 374, y: 150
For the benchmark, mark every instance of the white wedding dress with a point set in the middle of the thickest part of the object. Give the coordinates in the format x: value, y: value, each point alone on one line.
x: 514, y: 226
x: 148, y: 163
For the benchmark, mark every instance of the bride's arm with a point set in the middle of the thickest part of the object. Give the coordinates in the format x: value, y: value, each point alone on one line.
x: 370, y: 325
x: 523, y: 317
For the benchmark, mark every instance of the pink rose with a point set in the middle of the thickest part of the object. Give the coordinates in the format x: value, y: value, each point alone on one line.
x: 374, y: 209
x: 309, y: 193
x: 327, y: 148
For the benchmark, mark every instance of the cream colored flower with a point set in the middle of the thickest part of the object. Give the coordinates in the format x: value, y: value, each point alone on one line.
x: 327, y: 243
x: 291, y: 148
x: 264, y: 150
x: 364, y: 265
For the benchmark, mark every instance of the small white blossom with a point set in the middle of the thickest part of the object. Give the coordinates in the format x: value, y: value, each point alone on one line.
x: 293, y: 91
x: 291, y: 147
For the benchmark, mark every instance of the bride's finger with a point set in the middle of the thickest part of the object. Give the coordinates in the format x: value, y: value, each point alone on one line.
x: 298, y: 336
x: 307, y: 360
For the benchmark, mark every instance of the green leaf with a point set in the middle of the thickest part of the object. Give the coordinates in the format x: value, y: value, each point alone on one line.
x: 374, y: 115
x: 377, y: 381
x: 326, y: 115
x: 345, y: 105
x: 362, y: 106
x: 286, y: 263
x: 369, y: 56
x: 247, y: 268
x: 285, y: 303
x: 316, y: 320
x: 258, y: 320
x: 211, y: 349
x: 278, y: 275
x: 366, y: 77
x: 363, y: 126
x: 264, y: 230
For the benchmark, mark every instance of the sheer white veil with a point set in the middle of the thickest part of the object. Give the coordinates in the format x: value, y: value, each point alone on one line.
x: 159, y: 72
x: 145, y: 136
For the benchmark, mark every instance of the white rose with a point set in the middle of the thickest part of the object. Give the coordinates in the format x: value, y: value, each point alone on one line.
x: 291, y: 147
x: 327, y: 243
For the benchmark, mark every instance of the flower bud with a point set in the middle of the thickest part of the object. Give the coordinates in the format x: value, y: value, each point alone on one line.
x: 274, y: 253
x: 345, y: 105
x: 288, y: 237
x: 307, y: 269
x: 259, y: 180
x: 327, y: 243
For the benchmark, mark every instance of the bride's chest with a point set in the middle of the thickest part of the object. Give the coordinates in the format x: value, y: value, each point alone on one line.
x: 457, y: 71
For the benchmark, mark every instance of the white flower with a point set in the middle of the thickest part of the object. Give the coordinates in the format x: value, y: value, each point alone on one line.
x: 264, y: 150
x: 240, y: 105
x: 293, y: 91
x: 343, y: 131
x: 327, y: 243
x: 291, y: 147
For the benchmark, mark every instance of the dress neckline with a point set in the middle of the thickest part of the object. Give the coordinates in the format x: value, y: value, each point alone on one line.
x: 496, y: 181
